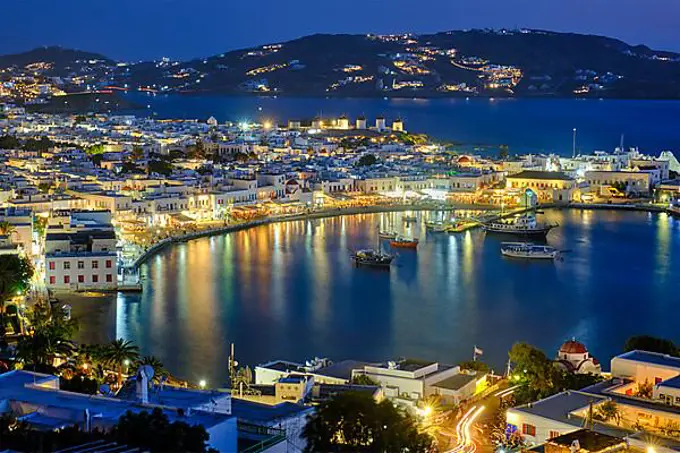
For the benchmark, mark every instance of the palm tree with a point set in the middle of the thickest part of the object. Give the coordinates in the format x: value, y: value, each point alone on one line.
x: 7, y: 229
x: 159, y: 370
x: 119, y: 353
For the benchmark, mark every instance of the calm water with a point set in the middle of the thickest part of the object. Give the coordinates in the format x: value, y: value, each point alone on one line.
x: 523, y: 124
x: 289, y: 291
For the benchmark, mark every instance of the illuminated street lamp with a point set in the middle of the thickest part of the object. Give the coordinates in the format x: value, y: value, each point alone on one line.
x: 202, y: 383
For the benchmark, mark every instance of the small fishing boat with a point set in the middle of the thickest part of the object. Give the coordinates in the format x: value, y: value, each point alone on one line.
x: 372, y: 258
x: 388, y: 234
x: 436, y: 227
x: 524, y: 225
x: 527, y: 250
x: 404, y: 242
x: 461, y: 225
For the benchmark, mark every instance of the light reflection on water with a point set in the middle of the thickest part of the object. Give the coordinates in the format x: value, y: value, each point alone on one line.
x: 289, y: 291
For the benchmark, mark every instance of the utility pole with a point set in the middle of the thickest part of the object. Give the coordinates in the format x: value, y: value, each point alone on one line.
x: 573, y: 145
x: 232, y: 366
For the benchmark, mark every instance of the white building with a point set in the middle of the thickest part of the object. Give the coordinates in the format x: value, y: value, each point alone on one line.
x: 80, y: 260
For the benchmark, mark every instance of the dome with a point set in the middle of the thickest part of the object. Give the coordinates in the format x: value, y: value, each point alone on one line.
x: 573, y: 347
x: 464, y: 160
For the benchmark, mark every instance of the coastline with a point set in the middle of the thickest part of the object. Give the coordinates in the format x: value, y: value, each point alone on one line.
x: 377, y: 210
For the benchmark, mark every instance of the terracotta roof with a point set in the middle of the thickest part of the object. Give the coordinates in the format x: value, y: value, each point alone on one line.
x: 573, y: 347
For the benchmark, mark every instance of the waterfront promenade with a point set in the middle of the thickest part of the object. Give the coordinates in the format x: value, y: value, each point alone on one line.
x: 495, y: 214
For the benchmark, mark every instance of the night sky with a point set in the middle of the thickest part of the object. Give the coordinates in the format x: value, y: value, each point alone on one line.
x: 146, y: 29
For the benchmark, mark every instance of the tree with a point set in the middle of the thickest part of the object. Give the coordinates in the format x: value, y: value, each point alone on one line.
x: 651, y: 344
x: 15, y: 275
x: 539, y: 375
x: 95, y: 150
x: 159, y: 371
x: 7, y: 229
x: 367, y: 160
x: 645, y: 390
x: 354, y: 422
x: 154, y: 432
x: 9, y: 142
x: 50, y: 339
x: 45, y: 187
x: 162, y: 167
x: 119, y: 353
x: 137, y: 153
x: 475, y: 365
x: 362, y: 379
x: 503, y: 152
x: 608, y: 411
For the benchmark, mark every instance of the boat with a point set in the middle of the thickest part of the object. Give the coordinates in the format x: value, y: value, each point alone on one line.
x: 527, y: 250
x: 404, y: 242
x: 388, y: 234
x: 372, y: 258
x: 436, y: 227
x: 525, y: 225
x: 460, y: 226
x: 409, y: 218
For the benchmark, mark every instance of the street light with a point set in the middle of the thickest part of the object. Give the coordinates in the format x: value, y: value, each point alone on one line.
x: 573, y: 145
x: 202, y: 383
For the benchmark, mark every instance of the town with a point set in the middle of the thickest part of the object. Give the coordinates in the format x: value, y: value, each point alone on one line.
x: 85, y: 199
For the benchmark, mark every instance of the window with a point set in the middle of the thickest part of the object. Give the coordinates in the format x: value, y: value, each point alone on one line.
x: 67, y: 265
x: 108, y: 264
x: 95, y: 264
x: 554, y: 434
x: 528, y: 430
x: 95, y: 278
x: 67, y: 279
x: 51, y: 265
x: 109, y: 278
x: 81, y: 264
x: 53, y: 280
x: 81, y: 279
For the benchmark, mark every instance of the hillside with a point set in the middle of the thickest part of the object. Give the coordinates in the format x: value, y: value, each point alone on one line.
x: 457, y: 63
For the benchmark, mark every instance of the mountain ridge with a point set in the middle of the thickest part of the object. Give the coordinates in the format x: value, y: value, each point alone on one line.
x: 492, y: 63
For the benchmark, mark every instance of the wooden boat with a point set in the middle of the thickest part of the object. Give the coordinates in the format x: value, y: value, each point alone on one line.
x: 525, y: 226
x: 388, y: 234
x: 372, y: 258
x: 404, y: 243
x: 436, y: 227
x: 527, y: 250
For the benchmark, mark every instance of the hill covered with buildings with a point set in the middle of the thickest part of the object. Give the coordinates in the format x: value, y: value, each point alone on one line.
x: 494, y: 63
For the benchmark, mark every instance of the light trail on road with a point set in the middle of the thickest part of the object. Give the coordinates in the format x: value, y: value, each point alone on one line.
x: 465, y: 442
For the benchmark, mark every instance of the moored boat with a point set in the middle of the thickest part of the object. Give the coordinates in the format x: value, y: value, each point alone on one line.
x: 388, y: 234
x: 409, y: 218
x: 524, y: 225
x: 527, y: 250
x: 436, y: 227
x: 404, y: 242
x: 372, y: 258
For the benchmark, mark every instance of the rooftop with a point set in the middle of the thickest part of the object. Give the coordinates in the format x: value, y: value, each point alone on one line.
x: 653, y: 358
x: 456, y: 382
x: 546, y: 175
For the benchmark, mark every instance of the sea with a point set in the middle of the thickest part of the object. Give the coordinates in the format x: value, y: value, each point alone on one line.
x: 472, y: 125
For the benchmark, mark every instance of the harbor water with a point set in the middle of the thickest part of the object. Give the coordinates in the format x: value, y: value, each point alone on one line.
x: 290, y: 291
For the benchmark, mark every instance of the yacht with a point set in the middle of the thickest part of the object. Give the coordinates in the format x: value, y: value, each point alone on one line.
x: 524, y: 225
x: 526, y: 250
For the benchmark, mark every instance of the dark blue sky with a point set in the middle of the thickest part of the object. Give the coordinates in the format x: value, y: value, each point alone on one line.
x: 144, y: 29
